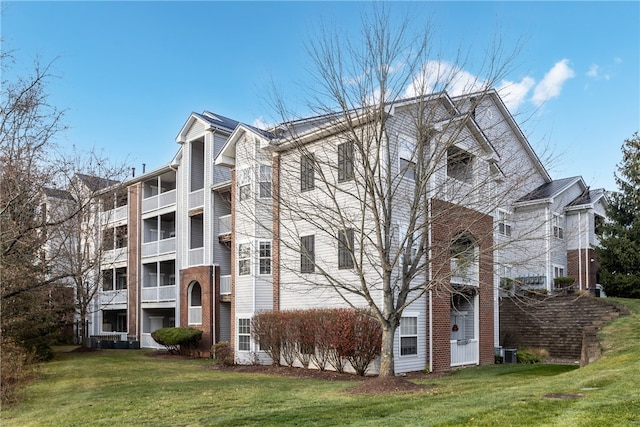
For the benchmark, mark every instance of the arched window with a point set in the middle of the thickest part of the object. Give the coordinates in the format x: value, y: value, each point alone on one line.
x: 195, y: 304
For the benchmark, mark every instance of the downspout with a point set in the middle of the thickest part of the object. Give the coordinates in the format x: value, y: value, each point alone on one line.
x: 587, y: 257
x: 549, y: 272
x: 580, y: 249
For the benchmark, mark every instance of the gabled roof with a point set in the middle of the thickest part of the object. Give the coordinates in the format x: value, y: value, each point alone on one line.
x: 549, y: 190
x: 588, y: 199
x: 493, y: 95
x: 57, y: 193
x: 211, y: 121
x: 96, y: 183
x: 227, y: 155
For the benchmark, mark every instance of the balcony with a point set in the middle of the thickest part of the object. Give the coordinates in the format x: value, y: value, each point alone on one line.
x: 159, y: 293
x: 195, y: 315
x: 159, y: 247
x: 225, y: 285
x: 464, y: 352
x: 114, y: 215
x: 196, y: 199
x: 224, y: 228
x: 464, y: 272
x: 114, y: 255
x: 118, y: 296
x: 196, y: 256
x: 159, y: 201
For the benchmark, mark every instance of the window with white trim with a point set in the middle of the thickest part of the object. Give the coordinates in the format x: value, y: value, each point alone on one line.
x: 265, y: 257
x: 244, y: 334
x: 265, y: 181
x: 244, y: 259
x: 558, y: 230
x: 409, y: 336
x: 558, y: 271
x: 244, y: 184
x: 406, y: 153
x: 504, y: 224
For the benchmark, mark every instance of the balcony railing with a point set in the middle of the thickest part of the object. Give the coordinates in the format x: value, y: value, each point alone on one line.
x: 159, y: 293
x: 114, y: 255
x: 225, y: 285
x: 195, y: 315
x: 158, y: 201
x: 224, y: 225
x: 118, y: 296
x: 159, y: 247
x: 464, y: 272
x: 464, y: 352
x: 196, y: 256
x: 113, y: 215
x: 196, y: 199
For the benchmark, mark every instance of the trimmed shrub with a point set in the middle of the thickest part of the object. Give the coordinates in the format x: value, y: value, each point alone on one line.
x: 267, y: 329
x: 176, y: 338
x: 222, y: 354
x: 563, y: 282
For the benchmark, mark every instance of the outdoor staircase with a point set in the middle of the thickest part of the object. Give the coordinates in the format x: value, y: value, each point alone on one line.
x: 565, y: 325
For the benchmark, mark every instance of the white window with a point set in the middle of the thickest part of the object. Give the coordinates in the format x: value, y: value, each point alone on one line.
x: 307, y: 254
x: 558, y: 271
x: 504, y: 224
x: 558, y: 230
x: 244, y: 184
x: 406, y: 153
x: 408, y: 336
x: 244, y: 259
x: 244, y: 334
x: 265, y: 181
x: 265, y: 257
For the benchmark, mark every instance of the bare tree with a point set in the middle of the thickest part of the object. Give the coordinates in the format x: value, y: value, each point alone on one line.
x: 393, y: 172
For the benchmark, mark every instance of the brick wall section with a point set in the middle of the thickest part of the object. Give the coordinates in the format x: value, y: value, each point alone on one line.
x: 204, y: 276
x: 449, y: 221
x: 276, y: 231
x: 133, y: 255
x: 557, y: 324
x: 589, y: 272
x: 232, y: 341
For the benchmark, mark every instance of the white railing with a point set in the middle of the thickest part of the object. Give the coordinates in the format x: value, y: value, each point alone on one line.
x: 225, y: 285
x: 196, y: 256
x: 159, y: 247
x: 159, y: 293
x: 224, y: 225
x: 113, y: 215
x: 195, y: 315
x: 196, y: 199
x: 464, y: 272
x: 114, y: 255
x: 118, y: 296
x: 159, y: 201
x: 464, y: 352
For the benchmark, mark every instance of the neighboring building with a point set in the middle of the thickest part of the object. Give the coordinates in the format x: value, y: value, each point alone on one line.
x: 203, y: 242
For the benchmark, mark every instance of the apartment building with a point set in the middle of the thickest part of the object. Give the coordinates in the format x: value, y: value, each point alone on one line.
x: 239, y: 222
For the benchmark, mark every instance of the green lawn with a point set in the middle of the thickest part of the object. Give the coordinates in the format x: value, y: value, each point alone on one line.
x: 124, y: 387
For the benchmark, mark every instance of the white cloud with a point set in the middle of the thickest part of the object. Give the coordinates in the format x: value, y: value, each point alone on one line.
x: 551, y: 84
x: 259, y: 123
x: 513, y: 94
x: 593, y: 71
x: 436, y: 76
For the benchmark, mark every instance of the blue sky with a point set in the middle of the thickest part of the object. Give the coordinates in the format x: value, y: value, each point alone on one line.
x: 130, y: 73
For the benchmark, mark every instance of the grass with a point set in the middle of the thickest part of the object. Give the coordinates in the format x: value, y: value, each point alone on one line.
x: 124, y: 387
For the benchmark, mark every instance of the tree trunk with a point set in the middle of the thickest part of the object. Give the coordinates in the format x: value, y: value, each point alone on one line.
x: 387, y: 364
